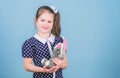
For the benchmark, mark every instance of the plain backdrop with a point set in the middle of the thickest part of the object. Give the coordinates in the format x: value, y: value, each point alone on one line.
x: 92, y: 28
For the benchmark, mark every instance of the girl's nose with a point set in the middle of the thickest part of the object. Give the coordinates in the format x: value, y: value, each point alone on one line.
x: 45, y: 23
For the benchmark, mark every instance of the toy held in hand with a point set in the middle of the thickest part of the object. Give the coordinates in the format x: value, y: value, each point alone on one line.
x: 58, y: 52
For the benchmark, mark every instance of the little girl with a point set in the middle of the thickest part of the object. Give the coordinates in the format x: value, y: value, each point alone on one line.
x: 39, y: 46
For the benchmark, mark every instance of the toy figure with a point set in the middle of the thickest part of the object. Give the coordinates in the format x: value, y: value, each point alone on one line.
x: 58, y: 52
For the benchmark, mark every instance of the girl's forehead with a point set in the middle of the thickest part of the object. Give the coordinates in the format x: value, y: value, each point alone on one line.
x: 47, y: 14
x: 44, y: 11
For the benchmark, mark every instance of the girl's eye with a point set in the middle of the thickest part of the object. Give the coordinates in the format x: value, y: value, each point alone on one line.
x: 42, y: 20
x: 49, y: 21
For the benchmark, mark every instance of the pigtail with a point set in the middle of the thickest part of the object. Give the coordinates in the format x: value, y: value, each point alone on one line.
x: 56, y: 30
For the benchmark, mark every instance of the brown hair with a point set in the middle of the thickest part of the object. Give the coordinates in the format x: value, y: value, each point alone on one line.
x: 56, y: 30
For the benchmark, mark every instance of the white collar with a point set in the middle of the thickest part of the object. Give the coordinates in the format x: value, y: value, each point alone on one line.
x: 51, y: 38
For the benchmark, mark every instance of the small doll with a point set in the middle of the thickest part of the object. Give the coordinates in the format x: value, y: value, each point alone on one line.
x: 58, y: 52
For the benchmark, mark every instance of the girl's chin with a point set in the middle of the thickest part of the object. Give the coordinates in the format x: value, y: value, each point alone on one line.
x: 45, y: 32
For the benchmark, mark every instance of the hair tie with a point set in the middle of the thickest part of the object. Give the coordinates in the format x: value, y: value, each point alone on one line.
x: 54, y: 9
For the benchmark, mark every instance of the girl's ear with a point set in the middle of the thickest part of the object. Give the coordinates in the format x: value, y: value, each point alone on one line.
x: 35, y: 20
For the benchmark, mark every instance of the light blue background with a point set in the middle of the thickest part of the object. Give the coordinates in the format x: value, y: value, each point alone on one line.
x: 92, y: 28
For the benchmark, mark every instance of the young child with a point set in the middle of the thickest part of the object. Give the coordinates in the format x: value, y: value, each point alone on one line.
x: 39, y: 46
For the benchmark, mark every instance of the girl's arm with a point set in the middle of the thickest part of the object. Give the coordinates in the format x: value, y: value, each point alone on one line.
x: 32, y: 68
x: 61, y: 63
x: 64, y: 63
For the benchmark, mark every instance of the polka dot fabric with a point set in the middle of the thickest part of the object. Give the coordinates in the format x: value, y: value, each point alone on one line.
x: 33, y: 48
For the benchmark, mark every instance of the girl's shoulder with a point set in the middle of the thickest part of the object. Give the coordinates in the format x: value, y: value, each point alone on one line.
x: 59, y: 39
x: 29, y: 40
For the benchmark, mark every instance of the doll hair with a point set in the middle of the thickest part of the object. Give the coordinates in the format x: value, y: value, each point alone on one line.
x: 56, y: 30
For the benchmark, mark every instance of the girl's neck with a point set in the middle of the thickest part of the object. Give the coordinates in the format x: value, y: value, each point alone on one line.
x: 44, y: 35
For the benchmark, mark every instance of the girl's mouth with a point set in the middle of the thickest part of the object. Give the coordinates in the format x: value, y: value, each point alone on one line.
x: 45, y: 28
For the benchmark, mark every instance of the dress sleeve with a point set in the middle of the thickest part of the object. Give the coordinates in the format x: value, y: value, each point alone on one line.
x: 27, y: 49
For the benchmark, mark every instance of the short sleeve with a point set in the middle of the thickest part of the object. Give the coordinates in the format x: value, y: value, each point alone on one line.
x: 27, y: 49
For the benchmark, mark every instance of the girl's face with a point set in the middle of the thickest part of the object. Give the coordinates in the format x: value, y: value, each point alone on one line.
x: 44, y: 23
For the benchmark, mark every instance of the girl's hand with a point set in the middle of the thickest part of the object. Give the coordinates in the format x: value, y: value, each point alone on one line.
x: 55, y: 68
x: 57, y: 61
x: 50, y: 70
